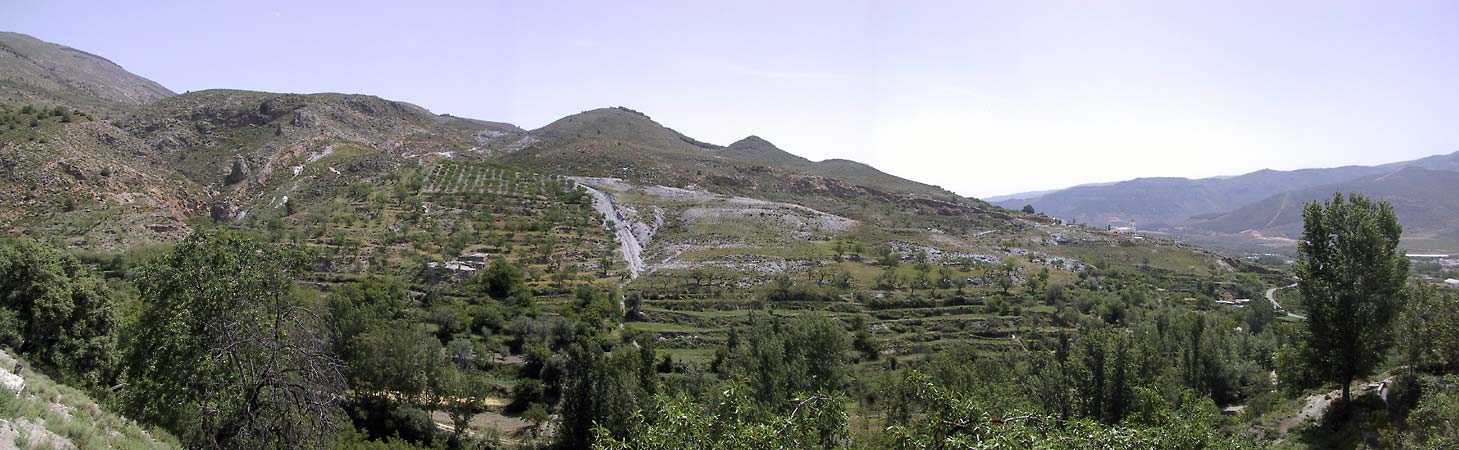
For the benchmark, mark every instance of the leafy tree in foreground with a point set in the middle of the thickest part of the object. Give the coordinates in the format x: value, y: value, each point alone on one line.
x: 734, y: 421
x: 785, y: 356
x: 1007, y: 274
x: 397, y: 361
x: 955, y: 420
x: 1352, y: 282
x: 601, y: 392
x: 226, y: 354
x: 464, y: 396
x: 1430, y: 324
x: 56, y: 310
x: 358, y: 307
x: 1434, y: 423
x: 505, y: 281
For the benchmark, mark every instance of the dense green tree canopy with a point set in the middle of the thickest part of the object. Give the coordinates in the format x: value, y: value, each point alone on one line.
x: 56, y: 310
x: 1352, y: 277
x: 226, y: 353
x: 503, y: 280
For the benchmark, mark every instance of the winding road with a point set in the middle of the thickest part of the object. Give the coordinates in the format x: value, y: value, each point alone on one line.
x: 1271, y: 297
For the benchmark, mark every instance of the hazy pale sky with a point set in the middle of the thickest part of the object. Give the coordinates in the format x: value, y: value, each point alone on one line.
x: 983, y: 98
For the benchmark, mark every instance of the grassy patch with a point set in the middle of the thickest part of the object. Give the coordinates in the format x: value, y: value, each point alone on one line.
x: 73, y: 415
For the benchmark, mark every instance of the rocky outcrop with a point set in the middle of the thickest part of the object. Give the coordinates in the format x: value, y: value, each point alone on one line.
x: 10, y: 384
x: 47, y: 415
x: 238, y: 172
x: 627, y: 231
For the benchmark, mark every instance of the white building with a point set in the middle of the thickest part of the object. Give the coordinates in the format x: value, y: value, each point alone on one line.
x: 455, y: 268
x: 477, y: 260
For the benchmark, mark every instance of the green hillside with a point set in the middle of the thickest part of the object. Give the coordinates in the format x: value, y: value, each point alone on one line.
x: 245, y: 269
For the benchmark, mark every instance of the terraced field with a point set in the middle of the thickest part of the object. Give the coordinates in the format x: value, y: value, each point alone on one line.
x: 480, y: 178
x: 716, y: 262
x: 446, y: 209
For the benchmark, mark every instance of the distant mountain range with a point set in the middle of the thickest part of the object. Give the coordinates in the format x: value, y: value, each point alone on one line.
x: 1262, y: 208
x: 1035, y: 194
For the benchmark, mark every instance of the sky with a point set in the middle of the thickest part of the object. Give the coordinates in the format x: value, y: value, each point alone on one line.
x: 982, y: 98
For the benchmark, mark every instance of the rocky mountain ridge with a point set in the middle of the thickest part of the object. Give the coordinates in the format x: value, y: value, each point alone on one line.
x: 33, y: 71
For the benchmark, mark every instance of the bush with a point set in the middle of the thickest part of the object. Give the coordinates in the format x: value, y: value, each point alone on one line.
x: 10, y: 326
x: 447, y: 320
x: 382, y: 419
x: 57, y: 311
x: 525, y: 393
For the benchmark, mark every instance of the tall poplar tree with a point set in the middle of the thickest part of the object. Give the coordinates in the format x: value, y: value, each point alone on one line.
x: 1352, y: 282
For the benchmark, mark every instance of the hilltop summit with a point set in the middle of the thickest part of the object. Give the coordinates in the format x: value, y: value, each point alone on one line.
x: 40, y: 72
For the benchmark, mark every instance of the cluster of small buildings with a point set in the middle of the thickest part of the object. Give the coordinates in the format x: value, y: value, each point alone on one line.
x: 1445, y: 261
x: 1237, y: 302
x: 1269, y: 258
x: 1125, y: 230
x: 1427, y: 256
x: 463, y: 266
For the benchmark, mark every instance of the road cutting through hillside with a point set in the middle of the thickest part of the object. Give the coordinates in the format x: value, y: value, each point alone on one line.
x: 1271, y: 297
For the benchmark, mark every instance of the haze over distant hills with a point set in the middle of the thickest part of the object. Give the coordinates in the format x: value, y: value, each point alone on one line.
x: 1263, y: 207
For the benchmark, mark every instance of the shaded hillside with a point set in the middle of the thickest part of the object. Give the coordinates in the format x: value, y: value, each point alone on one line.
x: 219, y: 153
x: 1002, y: 199
x: 33, y: 71
x: 619, y: 142
x: 1424, y: 200
x: 756, y: 150
x: 1436, y: 162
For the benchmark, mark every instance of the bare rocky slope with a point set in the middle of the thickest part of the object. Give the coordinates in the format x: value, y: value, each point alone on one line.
x: 257, y: 149
x: 625, y: 144
x: 39, y: 72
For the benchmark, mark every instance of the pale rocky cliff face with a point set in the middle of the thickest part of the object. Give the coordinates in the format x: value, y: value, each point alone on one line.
x: 9, y: 381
